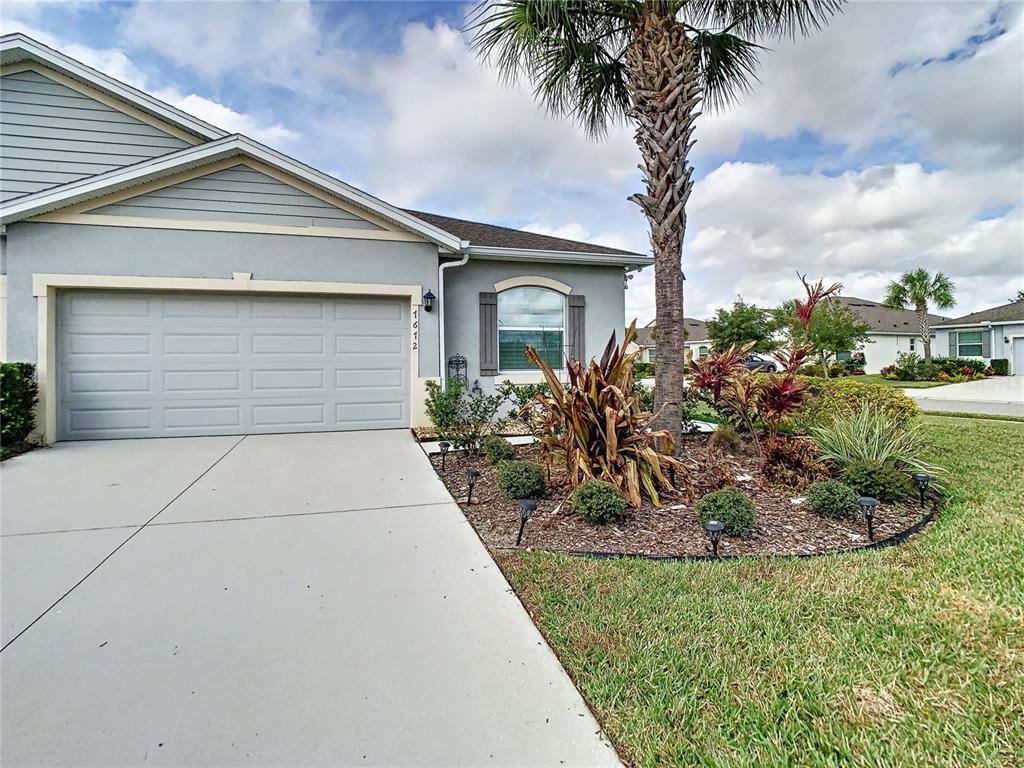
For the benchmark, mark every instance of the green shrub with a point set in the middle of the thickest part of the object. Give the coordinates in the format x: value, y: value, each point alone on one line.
x: 598, y: 502
x: 520, y: 395
x: 1001, y: 366
x: 871, y: 435
x: 952, y: 366
x: 832, y: 398
x: 642, y: 370
x: 880, y: 481
x: 18, y: 393
x: 830, y: 498
x: 462, y: 417
x: 729, y: 506
x: 521, y: 479
x: 498, y: 449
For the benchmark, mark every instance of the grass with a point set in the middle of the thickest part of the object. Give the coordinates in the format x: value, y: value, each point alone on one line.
x: 907, y: 656
x: 989, y: 416
x: 876, y: 378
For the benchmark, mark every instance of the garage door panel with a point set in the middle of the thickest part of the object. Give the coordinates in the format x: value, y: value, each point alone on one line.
x: 205, y: 365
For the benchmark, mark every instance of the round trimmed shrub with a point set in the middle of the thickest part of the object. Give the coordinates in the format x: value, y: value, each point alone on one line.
x: 832, y: 397
x: 831, y: 498
x: 498, y: 449
x: 729, y: 506
x: 880, y: 481
x: 598, y: 502
x: 521, y: 479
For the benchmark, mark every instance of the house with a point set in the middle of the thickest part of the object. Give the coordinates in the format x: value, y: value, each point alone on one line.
x: 696, y: 340
x: 171, y: 279
x: 992, y: 333
x: 890, y: 332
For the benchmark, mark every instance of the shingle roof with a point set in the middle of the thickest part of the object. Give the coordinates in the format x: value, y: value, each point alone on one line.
x: 1007, y: 313
x: 695, y: 330
x: 494, y: 236
x: 881, y: 319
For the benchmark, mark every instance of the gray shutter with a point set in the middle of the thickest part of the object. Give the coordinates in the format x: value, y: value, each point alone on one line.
x: 986, y: 343
x: 488, y: 334
x: 952, y: 343
x: 575, y: 347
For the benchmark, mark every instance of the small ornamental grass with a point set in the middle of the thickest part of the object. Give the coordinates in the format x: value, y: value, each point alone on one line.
x: 498, y: 449
x: 598, y: 502
x: 831, y: 498
x: 521, y: 479
x: 729, y: 506
x: 880, y: 481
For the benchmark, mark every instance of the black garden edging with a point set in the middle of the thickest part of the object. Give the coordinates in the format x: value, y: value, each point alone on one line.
x: 891, y: 541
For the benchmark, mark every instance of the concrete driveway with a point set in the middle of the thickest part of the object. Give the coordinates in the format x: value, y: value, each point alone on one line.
x: 1000, y: 395
x: 306, y: 599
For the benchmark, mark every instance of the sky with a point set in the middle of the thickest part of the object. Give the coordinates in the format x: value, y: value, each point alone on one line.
x: 890, y: 140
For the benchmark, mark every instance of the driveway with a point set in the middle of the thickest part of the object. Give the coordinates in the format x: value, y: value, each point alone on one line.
x: 305, y: 599
x: 1000, y: 395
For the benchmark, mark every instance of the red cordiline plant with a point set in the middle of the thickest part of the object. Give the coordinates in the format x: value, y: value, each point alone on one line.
x: 718, y: 370
x: 599, y: 424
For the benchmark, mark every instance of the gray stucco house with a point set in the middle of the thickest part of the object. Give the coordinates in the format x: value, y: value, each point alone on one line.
x: 171, y: 279
x: 992, y: 333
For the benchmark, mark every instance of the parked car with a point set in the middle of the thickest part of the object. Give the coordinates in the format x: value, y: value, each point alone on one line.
x: 758, y: 363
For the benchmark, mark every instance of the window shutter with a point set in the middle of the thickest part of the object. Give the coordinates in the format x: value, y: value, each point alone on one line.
x: 575, y: 328
x: 488, y: 334
x: 986, y: 343
x: 952, y: 343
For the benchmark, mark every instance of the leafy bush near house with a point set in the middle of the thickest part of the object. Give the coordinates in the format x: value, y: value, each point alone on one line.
x: 498, y: 449
x: 463, y: 417
x: 729, y: 506
x: 598, y: 502
x: 953, y: 365
x: 18, y: 394
x: 832, y: 398
x: 1000, y: 366
x: 880, y: 481
x: 521, y: 395
x: 521, y: 479
x: 831, y: 498
x: 642, y: 370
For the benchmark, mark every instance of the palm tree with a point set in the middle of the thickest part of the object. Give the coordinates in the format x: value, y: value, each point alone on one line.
x: 916, y: 289
x: 652, y: 62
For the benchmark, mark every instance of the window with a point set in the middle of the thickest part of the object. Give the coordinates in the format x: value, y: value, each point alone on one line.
x: 703, y: 352
x: 652, y: 355
x: 913, y: 344
x: 530, y: 317
x: 968, y: 344
x: 843, y: 357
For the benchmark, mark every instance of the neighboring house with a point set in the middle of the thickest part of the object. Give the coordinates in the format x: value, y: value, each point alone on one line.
x: 696, y: 341
x: 170, y: 279
x: 991, y: 333
x: 890, y: 332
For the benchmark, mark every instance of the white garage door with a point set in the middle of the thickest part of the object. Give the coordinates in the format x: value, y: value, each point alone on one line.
x: 163, y: 364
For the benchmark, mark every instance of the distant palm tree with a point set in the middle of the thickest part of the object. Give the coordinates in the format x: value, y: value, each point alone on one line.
x: 917, y: 289
x: 653, y: 62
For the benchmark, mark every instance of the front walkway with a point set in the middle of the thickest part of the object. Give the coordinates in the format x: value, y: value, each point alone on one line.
x: 273, y: 600
x: 998, y: 395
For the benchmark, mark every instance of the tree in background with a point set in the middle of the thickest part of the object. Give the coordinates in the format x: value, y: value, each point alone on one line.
x: 1018, y: 297
x: 831, y: 329
x: 918, y: 289
x: 652, y: 62
x: 744, y: 324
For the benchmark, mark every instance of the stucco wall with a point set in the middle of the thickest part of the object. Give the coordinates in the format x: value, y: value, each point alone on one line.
x: 78, y: 249
x: 1003, y: 336
x: 602, y: 286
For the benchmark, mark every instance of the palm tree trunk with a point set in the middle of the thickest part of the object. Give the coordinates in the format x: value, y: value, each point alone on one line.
x: 663, y: 77
x: 926, y: 336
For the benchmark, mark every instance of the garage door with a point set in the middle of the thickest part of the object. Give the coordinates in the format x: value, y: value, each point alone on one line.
x: 159, y: 365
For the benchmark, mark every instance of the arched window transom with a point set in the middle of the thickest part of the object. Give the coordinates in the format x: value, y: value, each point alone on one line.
x: 530, y: 317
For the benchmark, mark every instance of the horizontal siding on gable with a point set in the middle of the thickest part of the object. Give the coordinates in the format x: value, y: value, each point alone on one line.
x: 51, y: 134
x: 238, y: 194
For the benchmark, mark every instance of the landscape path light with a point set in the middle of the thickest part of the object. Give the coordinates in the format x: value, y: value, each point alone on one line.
x: 526, y: 509
x: 868, y: 506
x: 445, y: 446
x: 922, y: 480
x: 714, y: 530
x: 472, y: 476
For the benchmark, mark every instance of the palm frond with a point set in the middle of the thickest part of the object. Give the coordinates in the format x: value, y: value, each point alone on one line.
x: 728, y: 66
x: 762, y: 19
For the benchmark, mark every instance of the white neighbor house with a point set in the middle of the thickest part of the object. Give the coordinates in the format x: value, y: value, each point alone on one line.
x: 991, y: 333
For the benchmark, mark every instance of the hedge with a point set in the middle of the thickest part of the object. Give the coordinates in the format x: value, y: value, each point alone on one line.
x: 18, y: 394
x: 831, y: 397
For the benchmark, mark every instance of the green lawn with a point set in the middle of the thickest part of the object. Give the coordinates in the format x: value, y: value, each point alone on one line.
x: 876, y: 378
x: 910, y: 656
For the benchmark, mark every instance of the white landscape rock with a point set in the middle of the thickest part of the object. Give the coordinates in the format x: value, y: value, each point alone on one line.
x: 743, y: 478
x: 797, y: 501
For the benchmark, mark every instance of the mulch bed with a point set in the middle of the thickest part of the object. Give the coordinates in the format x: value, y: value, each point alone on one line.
x: 781, y: 527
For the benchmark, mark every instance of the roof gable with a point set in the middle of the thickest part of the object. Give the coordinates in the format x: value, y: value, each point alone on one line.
x: 1005, y: 313
x: 882, y: 319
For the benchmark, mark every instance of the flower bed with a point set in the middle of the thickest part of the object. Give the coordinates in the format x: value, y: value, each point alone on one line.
x: 781, y: 527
